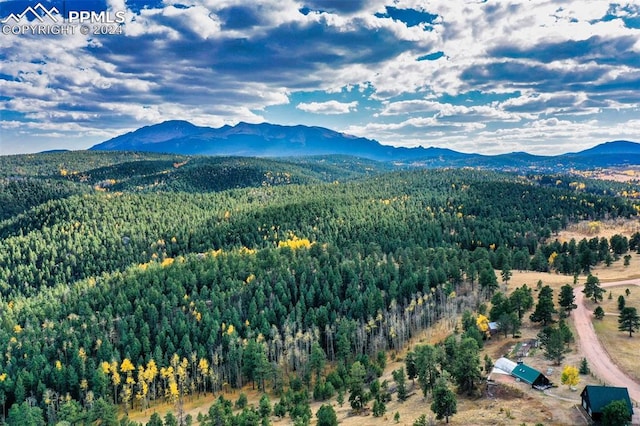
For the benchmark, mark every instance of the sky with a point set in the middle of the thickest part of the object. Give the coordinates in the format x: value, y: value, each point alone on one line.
x: 494, y: 76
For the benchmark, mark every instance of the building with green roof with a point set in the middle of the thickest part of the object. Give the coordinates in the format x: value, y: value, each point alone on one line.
x: 531, y: 376
x: 595, y: 398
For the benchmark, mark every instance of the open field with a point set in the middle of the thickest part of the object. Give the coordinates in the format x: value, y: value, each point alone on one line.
x: 622, y: 349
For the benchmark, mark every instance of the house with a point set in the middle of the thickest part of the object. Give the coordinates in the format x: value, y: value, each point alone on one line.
x: 595, y: 398
x: 494, y: 328
x: 504, y: 366
x: 531, y: 376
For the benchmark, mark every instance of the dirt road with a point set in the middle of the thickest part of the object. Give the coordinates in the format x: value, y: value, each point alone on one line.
x: 599, y: 362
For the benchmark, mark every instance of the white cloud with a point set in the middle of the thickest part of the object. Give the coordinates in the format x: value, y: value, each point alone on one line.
x: 329, y: 107
x: 570, y: 68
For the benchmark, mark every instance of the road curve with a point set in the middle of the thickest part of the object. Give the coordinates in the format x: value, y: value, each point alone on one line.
x: 599, y: 361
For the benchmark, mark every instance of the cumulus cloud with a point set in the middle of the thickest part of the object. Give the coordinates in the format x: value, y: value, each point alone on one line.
x: 329, y: 107
x: 504, y: 73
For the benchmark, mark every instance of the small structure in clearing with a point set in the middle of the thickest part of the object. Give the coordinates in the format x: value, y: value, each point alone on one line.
x: 504, y: 366
x: 595, y: 398
x: 522, y: 372
x: 531, y: 376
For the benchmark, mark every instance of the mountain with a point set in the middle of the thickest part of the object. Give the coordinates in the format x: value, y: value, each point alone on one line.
x: 271, y: 140
x: 264, y: 140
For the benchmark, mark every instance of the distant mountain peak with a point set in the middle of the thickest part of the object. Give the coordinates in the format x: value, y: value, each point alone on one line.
x: 275, y: 140
x: 614, y: 147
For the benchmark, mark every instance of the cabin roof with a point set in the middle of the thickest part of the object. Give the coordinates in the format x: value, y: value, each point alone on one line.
x: 600, y: 396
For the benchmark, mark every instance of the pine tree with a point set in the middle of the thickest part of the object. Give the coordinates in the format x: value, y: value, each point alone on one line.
x: 566, y: 299
x: 584, y: 366
x: 326, y: 416
x: 621, y: 302
x: 545, y: 308
x: 629, y: 320
x: 400, y: 379
x: 592, y: 289
x: 444, y: 403
x: 598, y: 313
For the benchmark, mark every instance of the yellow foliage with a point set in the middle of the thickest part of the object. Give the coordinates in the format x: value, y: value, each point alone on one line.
x: 167, y: 261
x: 570, y: 376
x: 105, y: 367
x: 250, y: 278
x: 151, y: 371
x: 230, y: 329
x: 245, y: 250
x: 482, y: 323
x: 166, y: 372
x: 82, y: 354
x: 578, y: 186
x: 203, y: 366
x: 127, y: 366
x: 58, y: 365
x: 17, y: 329
x: 295, y: 243
x: 552, y: 257
x: 173, y: 390
x: 63, y: 172
x: 3, y: 377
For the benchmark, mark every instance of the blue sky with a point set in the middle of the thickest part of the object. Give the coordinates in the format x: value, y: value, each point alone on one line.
x: 491, y: 76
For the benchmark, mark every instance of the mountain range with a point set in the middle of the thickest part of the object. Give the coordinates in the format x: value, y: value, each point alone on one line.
x: 271, y: 140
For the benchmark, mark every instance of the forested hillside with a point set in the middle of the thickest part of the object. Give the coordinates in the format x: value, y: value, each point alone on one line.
x: 131, y: 280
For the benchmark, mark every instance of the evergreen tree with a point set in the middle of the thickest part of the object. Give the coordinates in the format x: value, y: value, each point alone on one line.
x: 357, y: 397
x: 466, y: 366
x: 521, y: 300
x: 411, y: 366
x: 401, y: 384
x: 545, y: 308
x: 598, y: 312
x: 24, y: 414
x: 553, y: 341
x: 584, y: 366
x: 621, y: 302
x: 379, y: 408
x: 592, y: 289
x: 444, y: 403
x: 265, y: 406
x: 326, y: 416
x: 566, y: 299
x: 428, y: 366
x: 616, y: 413
x: 629, y: 320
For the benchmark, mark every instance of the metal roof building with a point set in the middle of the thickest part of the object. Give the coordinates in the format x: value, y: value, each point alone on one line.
x: 505, y: 365
x: 531, y: 376
x: 595, y: 398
